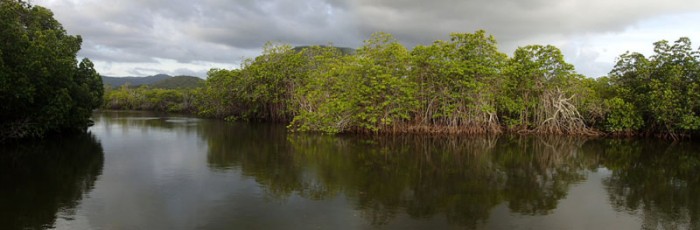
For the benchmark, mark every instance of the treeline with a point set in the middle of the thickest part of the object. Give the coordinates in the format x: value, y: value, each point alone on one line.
x: 151, y: 99
x: 463, y: 85
x: 171, y: 94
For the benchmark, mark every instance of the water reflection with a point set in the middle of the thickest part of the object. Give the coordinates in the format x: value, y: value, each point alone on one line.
x: 210, y: 174
x: 257, y: 150
x: 465, y: 178
x: 460, y: 178
x: 144, y: 122
x: 658, y: 181
x: 41, y: 180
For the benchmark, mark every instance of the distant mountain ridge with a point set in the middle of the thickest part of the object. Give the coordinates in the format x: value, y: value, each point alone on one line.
x: 156, y: 81
x: 179, y: 82
x: 133, y: 81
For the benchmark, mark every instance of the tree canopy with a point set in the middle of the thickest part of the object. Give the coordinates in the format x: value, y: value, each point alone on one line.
x: 462, y: 85
x: 660, y: 93
x: 43, y: 87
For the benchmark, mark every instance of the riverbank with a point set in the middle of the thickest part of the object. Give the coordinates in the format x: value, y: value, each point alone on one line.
x: 461, y: 86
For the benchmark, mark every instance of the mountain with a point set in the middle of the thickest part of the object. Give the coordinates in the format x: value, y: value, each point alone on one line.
x: 179, y: 82
x: 133, y: 81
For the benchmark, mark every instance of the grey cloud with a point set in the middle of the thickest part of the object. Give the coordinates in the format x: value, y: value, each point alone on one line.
x: 584, y: 60
x: 143, y: 71
x: 309, y: 22
x: 223, y: 31
x: 510, y: 20
x: 188, y: 72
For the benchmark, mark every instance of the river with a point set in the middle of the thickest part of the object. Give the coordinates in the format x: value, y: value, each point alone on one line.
x: 138, y: 170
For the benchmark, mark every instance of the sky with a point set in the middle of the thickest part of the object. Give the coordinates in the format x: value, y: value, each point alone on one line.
x: 184, y: 37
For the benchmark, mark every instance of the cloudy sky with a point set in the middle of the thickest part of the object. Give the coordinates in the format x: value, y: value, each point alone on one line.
x: 145, y: 37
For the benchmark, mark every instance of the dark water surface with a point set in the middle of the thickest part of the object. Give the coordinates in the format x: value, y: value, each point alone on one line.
x: 141, y: 171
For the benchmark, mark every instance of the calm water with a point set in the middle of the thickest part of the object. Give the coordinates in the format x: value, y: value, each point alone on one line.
x: 140, y: 171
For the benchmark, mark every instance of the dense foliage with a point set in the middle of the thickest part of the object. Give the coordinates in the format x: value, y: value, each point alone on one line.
x: 463, y: 85
x: 659, y: 93
x: 43, y: 88
x: 152, y: 99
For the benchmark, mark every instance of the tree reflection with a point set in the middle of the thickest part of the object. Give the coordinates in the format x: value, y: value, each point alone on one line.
x: 259, y: 151
x: 539, y: 171
x: 458, y: 177
x: 461, y: 179
x: 145, y: 121
x: 42, y: 179
x: 656, y: 180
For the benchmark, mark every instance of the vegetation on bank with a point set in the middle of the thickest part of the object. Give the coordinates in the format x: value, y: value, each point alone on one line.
x: 463, y: 85
x: 151, y: 99
x: 43, y: 88
x: 172, y: 94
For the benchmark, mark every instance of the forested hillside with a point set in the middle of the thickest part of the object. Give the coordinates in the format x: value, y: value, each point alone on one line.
x: 133, y: 81
x: 179, y: 82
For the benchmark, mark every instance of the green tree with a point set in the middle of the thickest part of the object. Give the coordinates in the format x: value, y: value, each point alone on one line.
x: 270, y: 80
x: 42, y: 86
x: 261, y: 90
x: 380, y: 92
x: 541, y: 92
x: 152, y: 99
x: 366, y: 92
x: 664, y: 88
x: 622, y: 116
x: 317, y: 99
x: 464, y: 85
x: 220, y: 96
x: 458, y: 82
